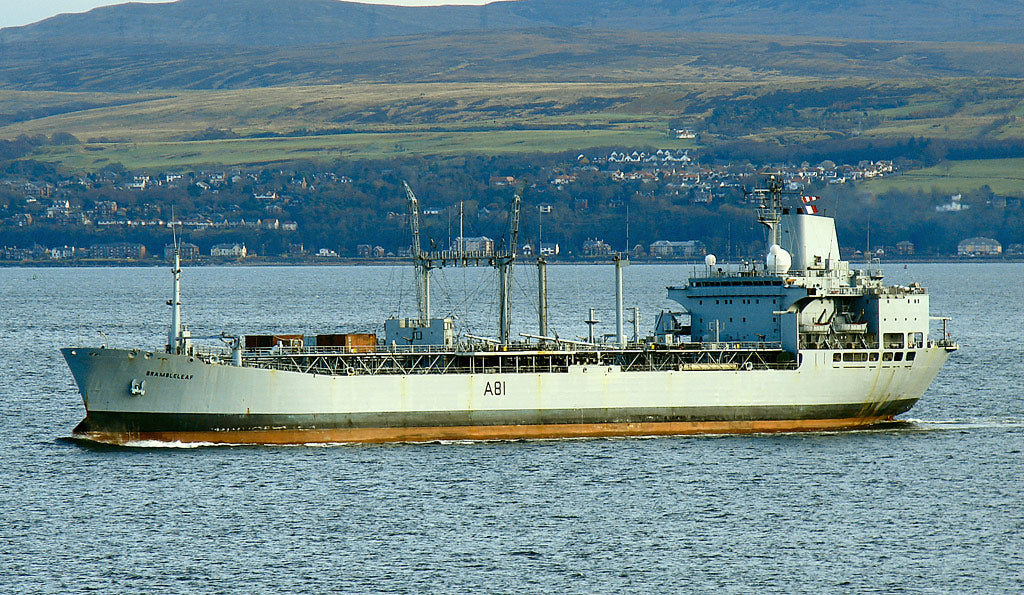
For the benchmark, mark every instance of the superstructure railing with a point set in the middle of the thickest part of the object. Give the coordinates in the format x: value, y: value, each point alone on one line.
x: 482, y: 358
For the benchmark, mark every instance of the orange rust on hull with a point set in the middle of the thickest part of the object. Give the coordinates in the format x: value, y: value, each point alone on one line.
x: 505, y: 432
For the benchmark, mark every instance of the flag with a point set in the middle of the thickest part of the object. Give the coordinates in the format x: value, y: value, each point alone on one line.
x: 808, y: 199
x: 811, y: 210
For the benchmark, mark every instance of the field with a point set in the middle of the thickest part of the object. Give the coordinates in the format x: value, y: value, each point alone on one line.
x: 164, y: 155
x: 167, y: 129
x: 1003, y: 176
x: 498, y: 92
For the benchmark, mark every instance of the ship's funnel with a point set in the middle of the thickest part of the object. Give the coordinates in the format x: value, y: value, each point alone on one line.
x: 778, y: 260
x: 811, y: 240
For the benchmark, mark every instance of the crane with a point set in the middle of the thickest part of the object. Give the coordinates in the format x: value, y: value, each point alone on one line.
x: 503, y: 261
x: 423, y: 265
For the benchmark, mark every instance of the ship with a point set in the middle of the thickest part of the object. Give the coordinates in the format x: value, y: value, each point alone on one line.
x: 800, y: 341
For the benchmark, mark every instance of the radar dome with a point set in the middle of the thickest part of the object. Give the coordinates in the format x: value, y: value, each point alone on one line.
x: 710, y: 260
x: 779, y: 260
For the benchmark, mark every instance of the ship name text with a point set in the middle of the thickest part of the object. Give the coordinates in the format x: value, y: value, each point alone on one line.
x: 172, y: 375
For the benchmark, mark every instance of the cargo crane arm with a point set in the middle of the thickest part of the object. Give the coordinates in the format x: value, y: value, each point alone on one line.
x: 503, y: 262
x: 414, y: 220
x: 514, y: 223
x: 421, y: 264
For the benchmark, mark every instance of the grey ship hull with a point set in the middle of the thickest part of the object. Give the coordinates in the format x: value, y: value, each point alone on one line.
x: 188, y: 399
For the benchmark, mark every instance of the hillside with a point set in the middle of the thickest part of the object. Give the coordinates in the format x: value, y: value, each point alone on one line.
x: 263, y: 23
x: 259, y: 81
x: 543, y: 55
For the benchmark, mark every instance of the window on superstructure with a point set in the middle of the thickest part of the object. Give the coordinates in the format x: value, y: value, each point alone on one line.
x: 911, y: 356
x: 898, y: 356
x: 887, y: 356
x: 893, y: 340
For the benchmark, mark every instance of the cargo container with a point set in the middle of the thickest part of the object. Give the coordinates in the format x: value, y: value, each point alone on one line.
x: 354, y: 342
x: 268, y: 341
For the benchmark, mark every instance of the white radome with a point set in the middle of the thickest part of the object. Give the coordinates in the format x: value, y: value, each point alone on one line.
x: 710, y: 260
x: 778, y: 260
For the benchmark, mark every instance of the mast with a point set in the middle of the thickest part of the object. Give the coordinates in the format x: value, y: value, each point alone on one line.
x: 591, y: 321
x: 620, y: 334
x: 542, y: 297
x: 504, y: 261
x: 504, y: 304
x: 174, y: 334
x: 769, y: 210
x: 421, y: 264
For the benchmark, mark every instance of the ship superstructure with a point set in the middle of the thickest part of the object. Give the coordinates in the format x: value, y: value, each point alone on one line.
x: 801, y: 342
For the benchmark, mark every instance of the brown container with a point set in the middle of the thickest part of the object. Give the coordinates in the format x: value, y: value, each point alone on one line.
x: 361, y: 342
x: 268, y: 341
x: 357, y: 342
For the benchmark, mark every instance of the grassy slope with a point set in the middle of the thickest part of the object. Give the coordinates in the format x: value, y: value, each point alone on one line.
x: 437, y: 118
x: 164, y: 155
x: 1003, y: 176
x: 519, y: 91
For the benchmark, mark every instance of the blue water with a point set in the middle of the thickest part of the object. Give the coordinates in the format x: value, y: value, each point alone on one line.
x: 935, y: 506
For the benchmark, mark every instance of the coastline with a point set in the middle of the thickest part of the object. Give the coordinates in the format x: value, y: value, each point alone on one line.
x: 259, y: 262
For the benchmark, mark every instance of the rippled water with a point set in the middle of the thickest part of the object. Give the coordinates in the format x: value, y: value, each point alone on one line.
x: 932, y: 505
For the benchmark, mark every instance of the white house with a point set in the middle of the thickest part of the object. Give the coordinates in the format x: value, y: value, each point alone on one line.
x: 229, y: 250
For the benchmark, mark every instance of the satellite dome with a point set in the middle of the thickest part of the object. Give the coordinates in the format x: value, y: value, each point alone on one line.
x: 778, y: 260
x: 710, y: 260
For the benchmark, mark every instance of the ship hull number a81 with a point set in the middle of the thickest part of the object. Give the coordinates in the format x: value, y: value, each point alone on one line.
x: 494, y: 389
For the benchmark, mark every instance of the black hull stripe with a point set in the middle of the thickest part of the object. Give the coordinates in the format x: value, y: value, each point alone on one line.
x: 114, y: 421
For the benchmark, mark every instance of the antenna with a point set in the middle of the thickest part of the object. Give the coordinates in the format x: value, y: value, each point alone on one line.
x: 174, y: 233
x: 627, y: 227
x: 540, y: 228
x: 867, y: 248
x: 769, y: 206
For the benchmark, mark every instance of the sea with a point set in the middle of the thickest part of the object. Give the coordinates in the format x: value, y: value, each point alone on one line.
x: 935, y: 505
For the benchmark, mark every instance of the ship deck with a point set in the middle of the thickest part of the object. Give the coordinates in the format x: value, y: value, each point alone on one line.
x: 513, y: 358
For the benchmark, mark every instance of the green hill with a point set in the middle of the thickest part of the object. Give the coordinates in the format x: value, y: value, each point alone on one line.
x: 263, y: 23
x: 257, y: 81
x: 548, y: 55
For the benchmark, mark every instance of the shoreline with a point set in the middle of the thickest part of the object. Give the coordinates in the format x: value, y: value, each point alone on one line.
x: 257, y: 262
